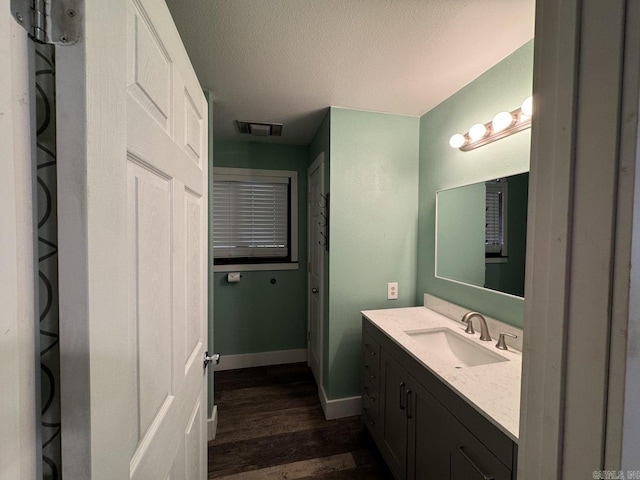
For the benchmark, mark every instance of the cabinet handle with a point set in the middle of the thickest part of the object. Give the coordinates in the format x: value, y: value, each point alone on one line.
x: 409, y: 404
x: 401, y: 395
x: 484, y: 476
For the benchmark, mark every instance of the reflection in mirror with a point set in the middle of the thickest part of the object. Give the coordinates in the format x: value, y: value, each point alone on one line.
x: 481, y: 232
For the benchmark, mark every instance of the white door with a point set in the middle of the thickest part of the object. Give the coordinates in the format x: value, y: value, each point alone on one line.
x: 318, y: 233
x: 133, y: 225
x: 17, y: 321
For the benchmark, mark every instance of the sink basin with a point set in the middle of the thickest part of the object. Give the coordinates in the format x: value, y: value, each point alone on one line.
x: 454, y: 348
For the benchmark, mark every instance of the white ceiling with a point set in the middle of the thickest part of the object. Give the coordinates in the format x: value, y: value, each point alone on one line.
x: 286, y: 61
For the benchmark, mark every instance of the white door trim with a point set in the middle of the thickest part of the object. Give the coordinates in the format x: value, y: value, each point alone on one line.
x: 578, y: 262
x: 318, y: 163
x: 18, y: 438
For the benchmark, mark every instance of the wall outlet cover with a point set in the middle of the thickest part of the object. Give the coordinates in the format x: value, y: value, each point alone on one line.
x: 392, y: 291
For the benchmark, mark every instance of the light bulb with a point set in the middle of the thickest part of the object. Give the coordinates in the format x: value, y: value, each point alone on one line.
x: 457, y: 140
x: 527, y: 107
x: 477, y: 131
x: 501, y: 121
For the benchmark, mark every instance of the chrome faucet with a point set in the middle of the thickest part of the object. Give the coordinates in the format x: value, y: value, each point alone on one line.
x: 484, y: 330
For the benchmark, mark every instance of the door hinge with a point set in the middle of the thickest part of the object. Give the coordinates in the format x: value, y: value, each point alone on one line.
x: 49, y: 21
x: 309, y: 337
x: 309, y: 267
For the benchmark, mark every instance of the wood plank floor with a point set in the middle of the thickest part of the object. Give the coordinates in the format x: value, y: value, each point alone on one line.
x: 271, y: 426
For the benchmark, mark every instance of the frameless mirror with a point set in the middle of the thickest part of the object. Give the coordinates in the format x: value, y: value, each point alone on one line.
x: 481, y: 232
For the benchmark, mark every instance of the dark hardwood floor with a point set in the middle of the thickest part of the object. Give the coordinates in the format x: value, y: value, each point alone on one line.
x: 271, y: 426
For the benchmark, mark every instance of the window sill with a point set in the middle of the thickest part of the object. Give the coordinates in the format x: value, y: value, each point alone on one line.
x: 496, y: 260
x: 256, y: 267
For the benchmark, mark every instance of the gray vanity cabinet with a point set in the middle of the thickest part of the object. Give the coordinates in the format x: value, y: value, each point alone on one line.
x: 394, y: 423
x: 414, y: 427
x: 471, y: 460
x: 430, y: 437
x: 422, y: 428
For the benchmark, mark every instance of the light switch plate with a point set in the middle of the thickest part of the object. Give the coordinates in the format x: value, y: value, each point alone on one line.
x: 392, y: 291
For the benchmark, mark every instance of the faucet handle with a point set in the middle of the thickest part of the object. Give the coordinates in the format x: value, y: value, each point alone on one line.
x: 502, y: 345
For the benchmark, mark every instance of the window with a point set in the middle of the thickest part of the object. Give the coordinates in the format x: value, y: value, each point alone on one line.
x: 496, y: 219
x: 254, y: 219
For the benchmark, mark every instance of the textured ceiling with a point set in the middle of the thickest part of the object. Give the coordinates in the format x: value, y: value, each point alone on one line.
x: 286, y: 61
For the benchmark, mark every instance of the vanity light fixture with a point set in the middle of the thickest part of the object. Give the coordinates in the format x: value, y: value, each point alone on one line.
x: 502, y: 125
x: 457, y: 140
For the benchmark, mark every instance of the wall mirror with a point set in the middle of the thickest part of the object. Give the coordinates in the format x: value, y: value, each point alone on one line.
x: 481, y: 232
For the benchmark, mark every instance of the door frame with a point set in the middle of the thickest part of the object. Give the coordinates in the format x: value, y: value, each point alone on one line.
x: 318, y: 164
x: 19, y: 437
x: 581, y: 214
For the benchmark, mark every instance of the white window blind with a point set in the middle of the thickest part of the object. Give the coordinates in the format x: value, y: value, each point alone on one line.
x: 495, y: 217
x: 250, y: 217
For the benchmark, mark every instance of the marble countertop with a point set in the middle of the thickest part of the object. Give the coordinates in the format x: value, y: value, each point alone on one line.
x: 493, y: 389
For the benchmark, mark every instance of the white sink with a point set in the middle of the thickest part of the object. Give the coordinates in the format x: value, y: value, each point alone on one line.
x: 454, y: 348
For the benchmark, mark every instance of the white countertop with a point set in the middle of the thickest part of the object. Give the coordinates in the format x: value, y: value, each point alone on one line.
x: 493, y: 389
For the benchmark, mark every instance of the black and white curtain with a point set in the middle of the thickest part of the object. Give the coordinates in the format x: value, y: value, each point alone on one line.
x: 48, y: 261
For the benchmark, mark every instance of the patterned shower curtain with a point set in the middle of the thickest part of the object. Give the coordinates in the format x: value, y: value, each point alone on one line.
x: 48, y: 261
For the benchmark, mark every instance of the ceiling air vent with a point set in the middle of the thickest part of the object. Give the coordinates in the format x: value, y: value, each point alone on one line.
x: 259, y: 129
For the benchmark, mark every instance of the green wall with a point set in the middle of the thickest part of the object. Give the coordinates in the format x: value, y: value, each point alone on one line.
x: 502, y: 87
x: 462, y: 233
x: 255, y: 315
x: 373, y: 235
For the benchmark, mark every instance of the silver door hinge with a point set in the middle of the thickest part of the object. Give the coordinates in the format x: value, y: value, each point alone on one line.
x: 49, y: 21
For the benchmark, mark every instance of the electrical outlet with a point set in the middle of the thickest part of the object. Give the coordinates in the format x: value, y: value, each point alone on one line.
x: 392, y: 291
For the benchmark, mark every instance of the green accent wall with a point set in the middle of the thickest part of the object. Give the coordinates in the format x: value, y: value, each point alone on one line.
x: 461, y: 233
x: 373, y: 234
x: 255, y: 315
x: 503, y: 87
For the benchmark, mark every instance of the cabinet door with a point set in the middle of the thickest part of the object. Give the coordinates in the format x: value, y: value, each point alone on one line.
x: 394, y: 415
x: 471, y: 460
x: 429, y: 435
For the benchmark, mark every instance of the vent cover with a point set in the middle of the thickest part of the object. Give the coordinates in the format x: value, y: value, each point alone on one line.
x: 259, y: 129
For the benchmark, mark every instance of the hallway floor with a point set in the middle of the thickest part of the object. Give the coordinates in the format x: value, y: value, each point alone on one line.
x: 271, y: 426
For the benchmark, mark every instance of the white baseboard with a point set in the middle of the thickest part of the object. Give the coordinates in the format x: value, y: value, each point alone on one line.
x: 340, y: 407
x: 261, y: 359
x: 212, y: 424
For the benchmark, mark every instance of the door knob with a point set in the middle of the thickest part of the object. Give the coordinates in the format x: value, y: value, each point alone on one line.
x: 315, y: 290
x: 211, y: 358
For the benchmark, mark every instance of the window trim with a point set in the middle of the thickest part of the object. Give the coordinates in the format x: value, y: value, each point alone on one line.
x: 292, y: 264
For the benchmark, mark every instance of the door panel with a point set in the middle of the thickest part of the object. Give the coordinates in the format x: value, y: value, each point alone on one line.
x: 316, y: 266
x: 430, y: 436
x: 195, y: 265
x: 140, y: 181
x: 394, y: 427
x: 168, y: 229
x: 151, y: 315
